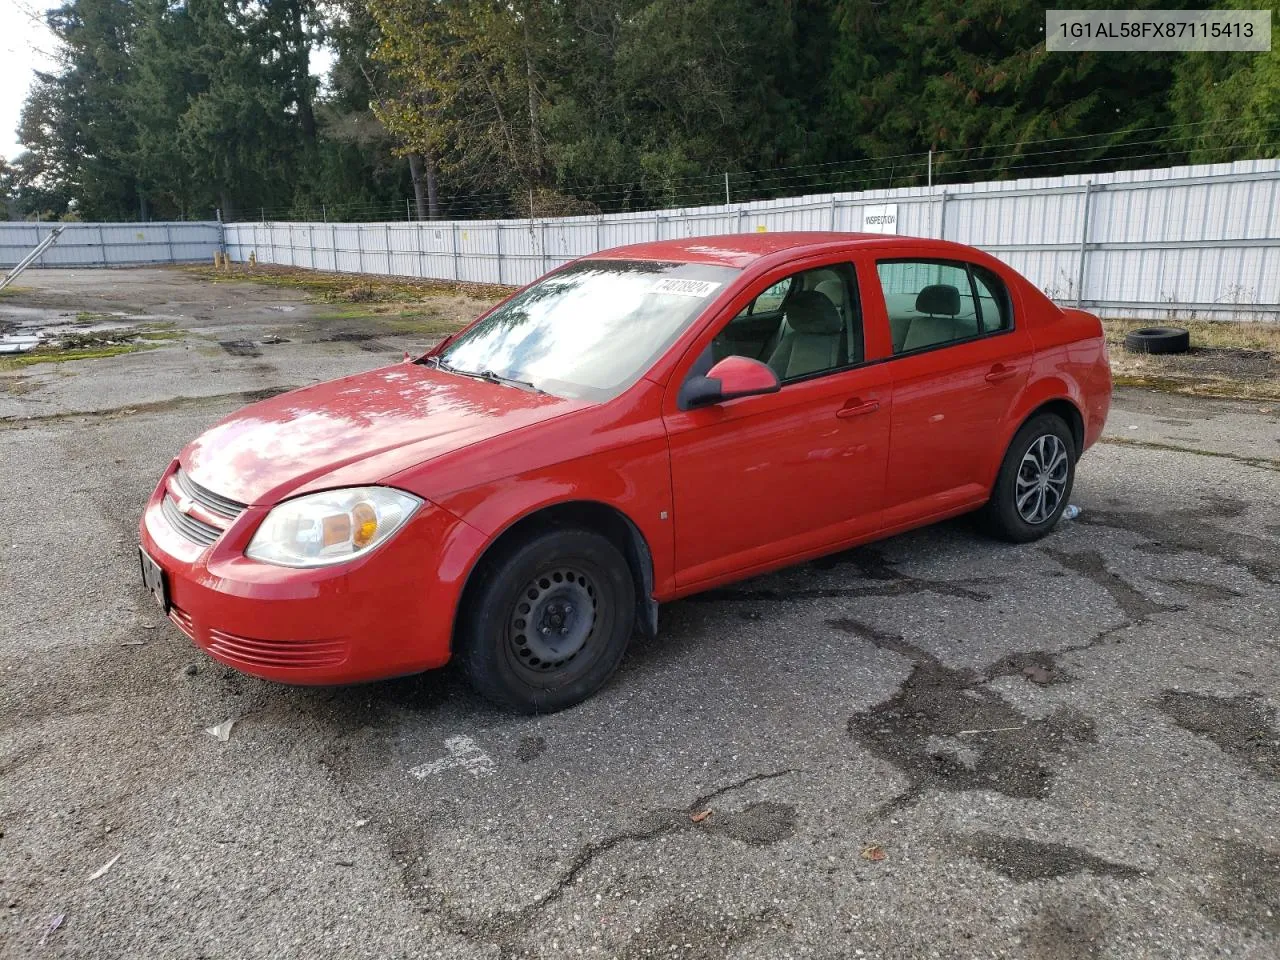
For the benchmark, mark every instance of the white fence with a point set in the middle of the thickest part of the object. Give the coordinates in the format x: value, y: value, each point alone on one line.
x: 111, y: 244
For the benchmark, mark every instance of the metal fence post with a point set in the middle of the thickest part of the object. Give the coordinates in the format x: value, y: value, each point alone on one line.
x: 422, y: 251
x: 168, y: 241
x: 391, y: 269
x: 102, y: 244
x: 942, y: 216
x: 498, y: 235
x: 360, y: 247
x: 542, y: 242
x: 1084, y: 241
x: 599, y: 232
x: 453, y: 245
x: 333, y: 245
x: 833, y: 214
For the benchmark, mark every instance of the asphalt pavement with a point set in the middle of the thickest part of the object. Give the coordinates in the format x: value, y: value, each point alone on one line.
x: 935, y: 746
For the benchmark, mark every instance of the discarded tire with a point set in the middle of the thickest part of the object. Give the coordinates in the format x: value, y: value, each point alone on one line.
x: 1158, y: 340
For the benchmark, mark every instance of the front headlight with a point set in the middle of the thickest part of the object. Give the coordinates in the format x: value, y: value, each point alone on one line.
x: 330, y: 527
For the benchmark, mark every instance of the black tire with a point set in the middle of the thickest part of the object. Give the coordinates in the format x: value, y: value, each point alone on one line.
x: 1041, y: 437
x: 1158, y: 340
x: 524, y: 641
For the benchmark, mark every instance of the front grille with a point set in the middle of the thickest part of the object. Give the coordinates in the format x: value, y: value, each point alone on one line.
x: 191, y: 528
x: 222, y: 506
x: 296, y: 654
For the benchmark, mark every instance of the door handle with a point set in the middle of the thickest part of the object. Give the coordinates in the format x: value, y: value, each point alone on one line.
x: 1001, y: 372
x: 856, y: 408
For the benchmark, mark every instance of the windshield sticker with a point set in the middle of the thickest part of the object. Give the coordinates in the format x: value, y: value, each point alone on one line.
x: 686, y: 288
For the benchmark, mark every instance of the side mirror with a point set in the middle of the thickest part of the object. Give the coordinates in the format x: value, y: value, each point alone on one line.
x: 731, y: 378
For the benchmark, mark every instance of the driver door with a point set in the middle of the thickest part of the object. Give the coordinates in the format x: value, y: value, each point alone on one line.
x: 760, y: 480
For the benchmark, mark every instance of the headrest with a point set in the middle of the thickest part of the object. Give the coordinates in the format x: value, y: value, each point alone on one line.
x: 833, y: 290
x: 939, y: 298
x: 809, y: 311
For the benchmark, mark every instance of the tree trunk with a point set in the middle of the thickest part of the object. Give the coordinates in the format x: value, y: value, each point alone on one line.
x: 535, y: 149
x: 302, y: 76
x: 433, y: 189
x: 420, y: 199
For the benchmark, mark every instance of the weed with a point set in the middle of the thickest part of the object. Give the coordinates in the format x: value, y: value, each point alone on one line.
x: 54, y: 355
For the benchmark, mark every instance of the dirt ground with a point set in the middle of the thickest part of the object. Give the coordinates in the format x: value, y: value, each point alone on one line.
x: 936, y: 746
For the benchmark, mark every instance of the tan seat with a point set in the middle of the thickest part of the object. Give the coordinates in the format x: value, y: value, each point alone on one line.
x: 813, y: 337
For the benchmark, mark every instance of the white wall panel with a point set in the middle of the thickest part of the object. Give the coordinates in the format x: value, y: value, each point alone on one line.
x: 1202, y: 239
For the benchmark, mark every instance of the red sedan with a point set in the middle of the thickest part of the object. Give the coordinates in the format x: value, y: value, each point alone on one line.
x: 636, y: 426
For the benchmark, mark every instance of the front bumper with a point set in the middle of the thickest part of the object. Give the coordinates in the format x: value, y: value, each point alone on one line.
x: 386, y: 614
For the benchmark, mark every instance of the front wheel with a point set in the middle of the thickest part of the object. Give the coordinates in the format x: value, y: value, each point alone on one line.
x: 548, y: 621
x: 1034, y: 482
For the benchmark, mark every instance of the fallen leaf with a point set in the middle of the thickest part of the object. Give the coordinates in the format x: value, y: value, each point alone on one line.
x: 873, y: 852
x: 222, y: 731
x: 102, y: 870
x: 700, y: 816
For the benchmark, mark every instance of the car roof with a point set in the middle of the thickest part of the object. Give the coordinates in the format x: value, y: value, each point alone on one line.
x: 743, y: 249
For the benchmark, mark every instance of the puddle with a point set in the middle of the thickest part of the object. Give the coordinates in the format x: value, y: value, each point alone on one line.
x: 23, y: 329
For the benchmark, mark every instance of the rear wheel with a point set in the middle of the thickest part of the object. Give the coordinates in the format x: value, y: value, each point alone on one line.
x: 1034, y: 482
x: 548, y: 621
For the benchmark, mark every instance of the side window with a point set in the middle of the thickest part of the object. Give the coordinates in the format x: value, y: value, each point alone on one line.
x: 932, y: 302
x: 807, y: 323
x: 993, y: 300
x: 772, y: 298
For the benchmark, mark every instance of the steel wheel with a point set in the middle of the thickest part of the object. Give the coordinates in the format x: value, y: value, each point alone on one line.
x: 1042, y: 479
x: 553, y: 621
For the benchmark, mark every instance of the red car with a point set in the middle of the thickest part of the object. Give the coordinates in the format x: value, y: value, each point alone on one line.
x: 636, y: 426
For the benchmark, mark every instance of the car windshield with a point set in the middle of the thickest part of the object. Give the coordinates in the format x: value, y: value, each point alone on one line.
x: 590, y: 330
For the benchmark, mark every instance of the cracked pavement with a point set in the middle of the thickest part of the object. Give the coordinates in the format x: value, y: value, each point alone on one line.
x: 936, y: 745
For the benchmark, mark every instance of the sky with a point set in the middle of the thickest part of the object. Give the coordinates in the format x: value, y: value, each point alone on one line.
x: 25, y: 43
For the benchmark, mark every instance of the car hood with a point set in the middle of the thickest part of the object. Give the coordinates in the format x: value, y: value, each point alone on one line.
x: 357, y: 430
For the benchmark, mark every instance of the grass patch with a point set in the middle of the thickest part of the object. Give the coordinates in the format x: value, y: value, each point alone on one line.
x: 1222, y: 389
x: 87, y: 318
x: 349, y: 287
x: 1207, y: 334
x: 13, y: 291
x: 1231, y: 360
x: 395, y: 319
x: 55, y: 355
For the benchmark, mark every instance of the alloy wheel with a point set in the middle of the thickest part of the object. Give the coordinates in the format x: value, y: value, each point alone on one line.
x: 1042, y: 479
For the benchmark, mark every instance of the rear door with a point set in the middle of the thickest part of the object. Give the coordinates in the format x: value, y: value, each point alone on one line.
x: 960, y: 359
x: 761, y: 479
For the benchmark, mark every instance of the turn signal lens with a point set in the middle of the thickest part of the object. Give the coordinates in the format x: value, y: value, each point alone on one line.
x: 330, y: 527
x: 365, y: 519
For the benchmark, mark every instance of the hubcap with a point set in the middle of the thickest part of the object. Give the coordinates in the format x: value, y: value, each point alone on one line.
x: 553, y: 619
x: 1042, y: 479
